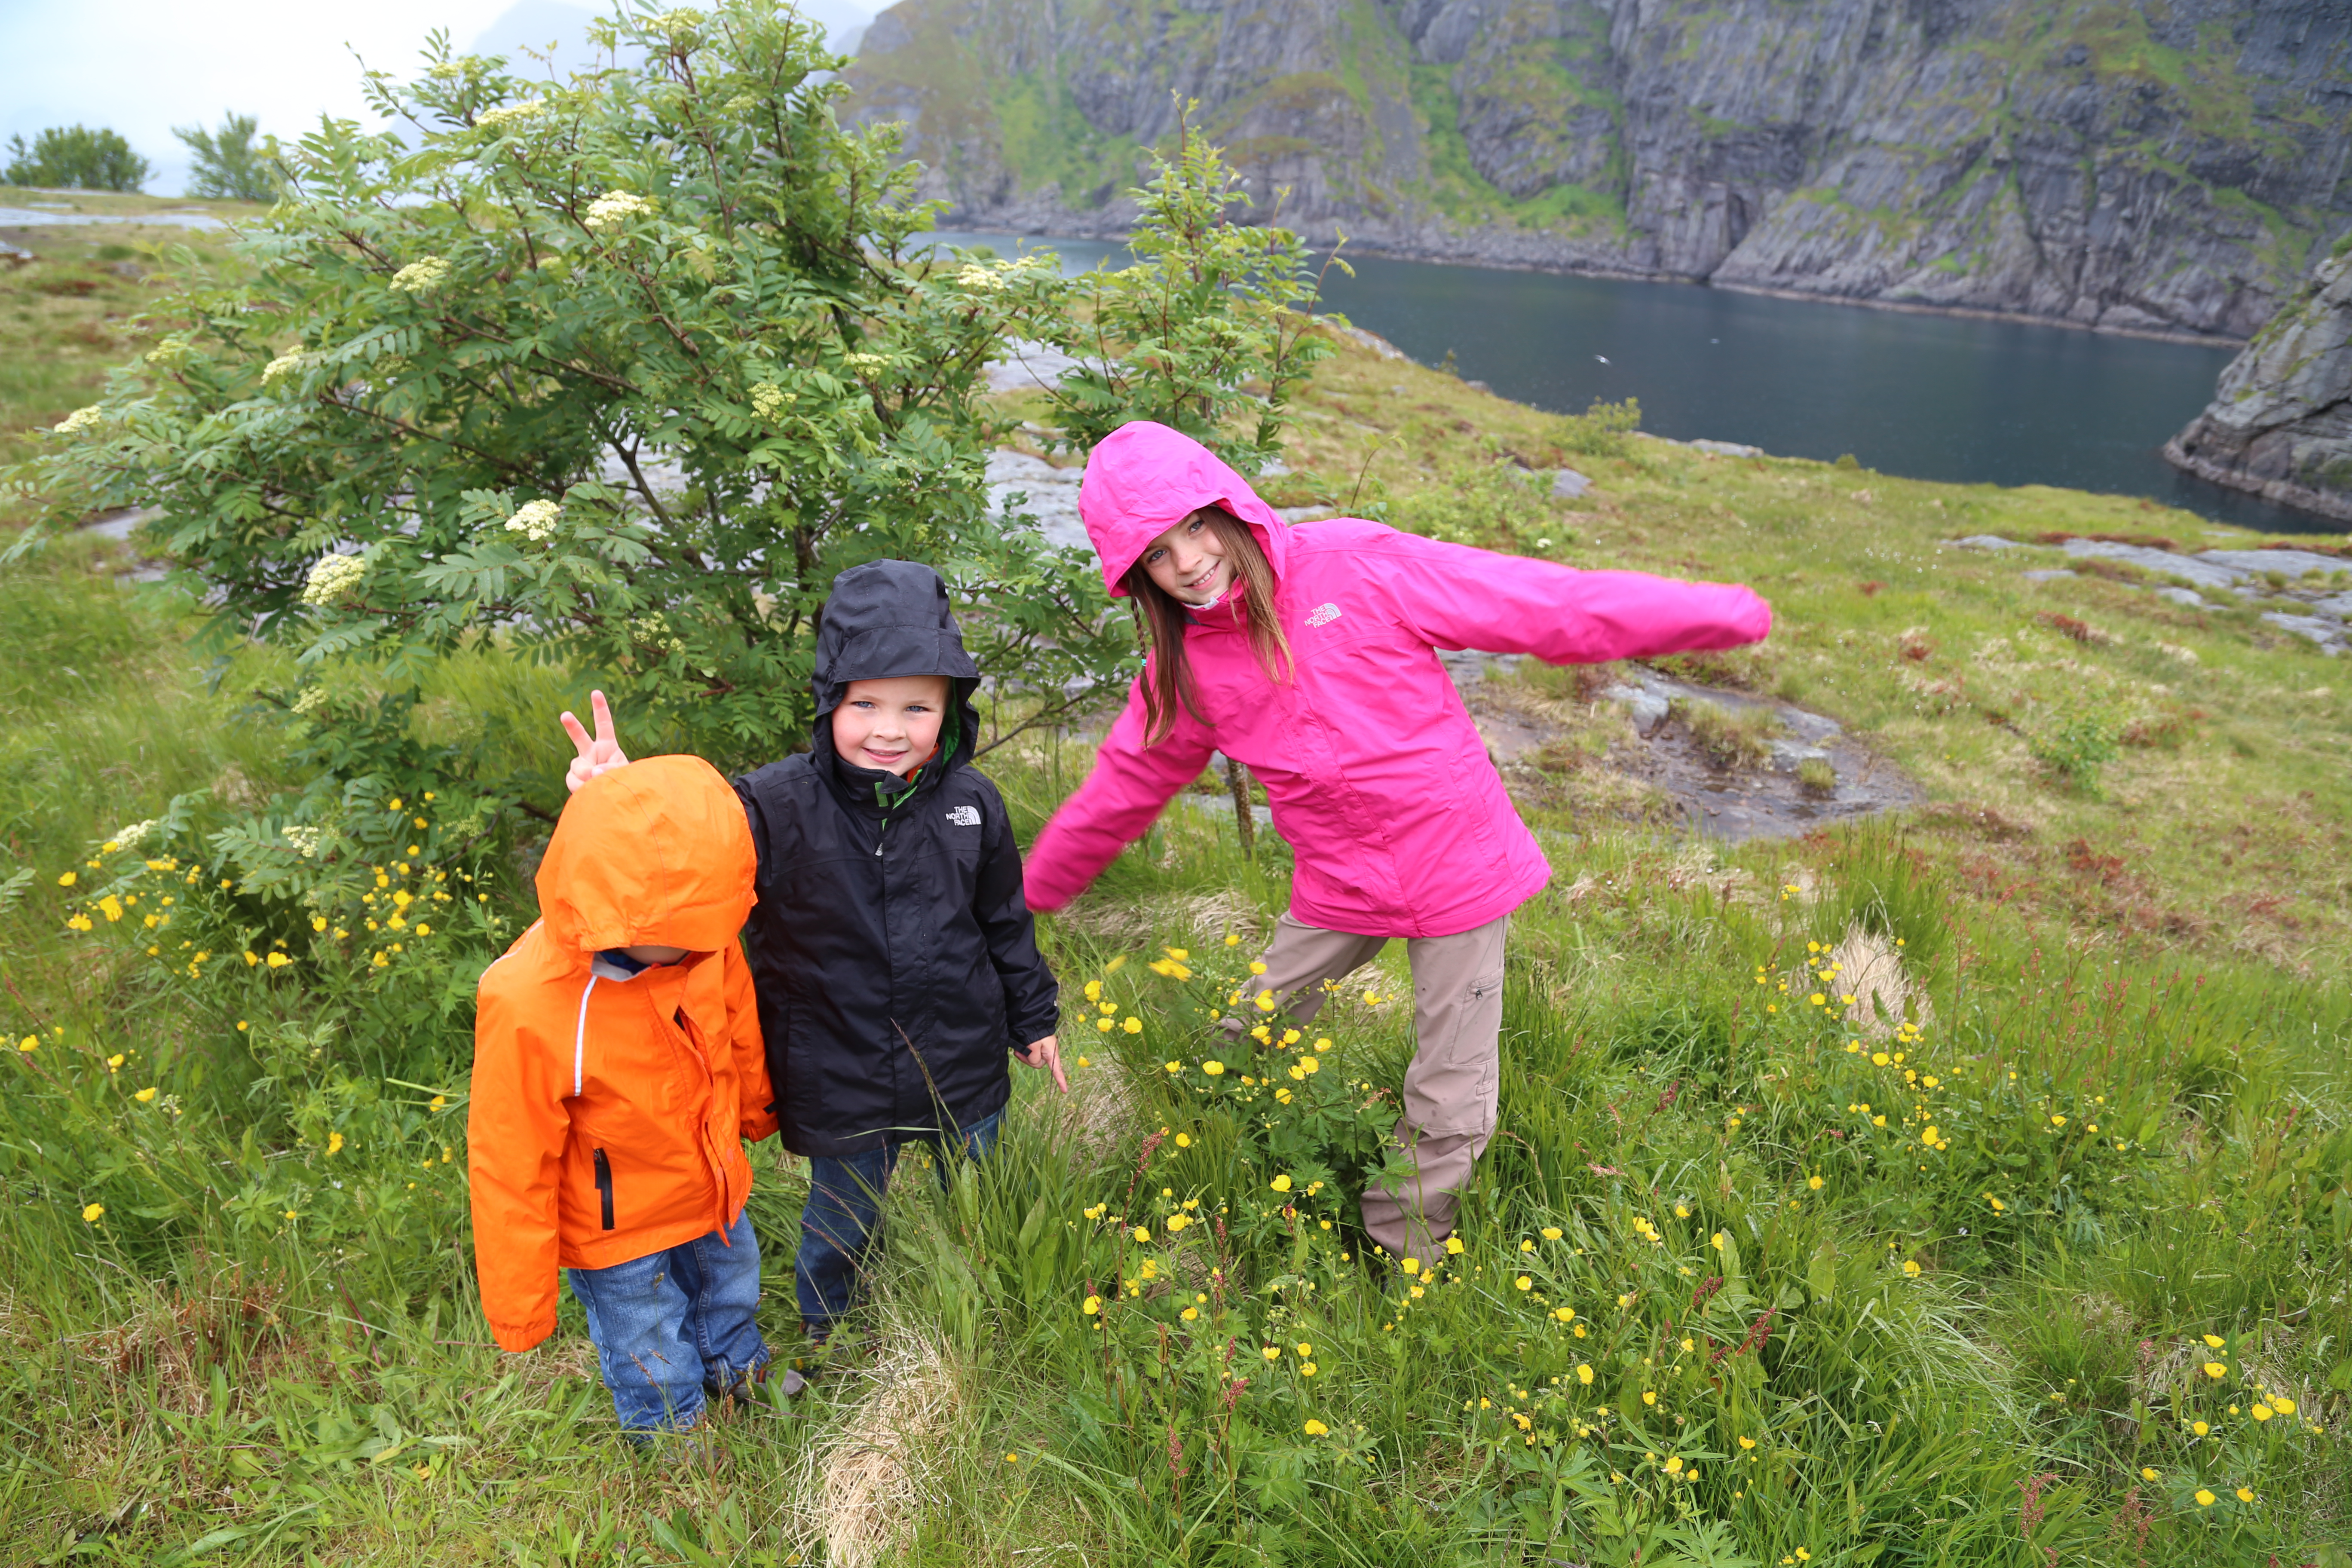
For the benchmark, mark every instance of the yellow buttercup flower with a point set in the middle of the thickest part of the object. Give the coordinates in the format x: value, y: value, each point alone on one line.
x: 1551, y: 1233
x: 2205, y: 1498
x: 93, y: 1213
x: 1281, y: 1183
x: 2245, y: 1494
x: 2214, y: 1341
x: 2146, y: 1473
x: 1315, y: 1429
x: 2216, y: 1371
x: 1213, y: 1068
x: 145, y: 1095
x: 1093, y: 1304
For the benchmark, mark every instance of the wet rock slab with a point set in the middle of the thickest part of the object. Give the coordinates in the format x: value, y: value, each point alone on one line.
x: 2318, y: 609
x: 1767, y: 802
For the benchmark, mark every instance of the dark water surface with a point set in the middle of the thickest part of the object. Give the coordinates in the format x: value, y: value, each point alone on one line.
x: 1930, y: 397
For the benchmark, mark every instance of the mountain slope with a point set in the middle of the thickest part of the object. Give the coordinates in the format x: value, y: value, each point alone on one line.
x: 2123, y: 163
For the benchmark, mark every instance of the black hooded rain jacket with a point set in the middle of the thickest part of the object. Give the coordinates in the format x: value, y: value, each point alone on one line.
x: 894, y: 959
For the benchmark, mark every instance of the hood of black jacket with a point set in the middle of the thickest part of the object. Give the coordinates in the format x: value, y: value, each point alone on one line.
x: 883, y: 620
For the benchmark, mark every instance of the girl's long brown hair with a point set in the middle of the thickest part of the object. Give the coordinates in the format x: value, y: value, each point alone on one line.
x: 1167, y: 684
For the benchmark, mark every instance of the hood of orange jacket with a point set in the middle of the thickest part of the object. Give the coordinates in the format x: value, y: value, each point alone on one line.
x: 609, y: 1107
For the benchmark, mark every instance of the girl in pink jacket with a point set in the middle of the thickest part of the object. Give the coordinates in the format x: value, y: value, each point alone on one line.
x: 1309, y: 654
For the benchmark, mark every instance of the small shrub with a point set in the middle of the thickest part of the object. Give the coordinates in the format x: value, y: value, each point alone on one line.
x: 2075, y: 748
x: 1816, y: 776
x: 1601, y: 430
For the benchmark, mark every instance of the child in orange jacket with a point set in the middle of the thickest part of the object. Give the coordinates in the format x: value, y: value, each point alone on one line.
x: 617, y: 1070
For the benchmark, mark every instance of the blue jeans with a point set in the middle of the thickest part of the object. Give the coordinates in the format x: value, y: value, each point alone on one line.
x: 845, y: 1210
x: 673, y: 1328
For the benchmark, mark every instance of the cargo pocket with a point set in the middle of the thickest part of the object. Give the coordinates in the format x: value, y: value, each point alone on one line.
x: 1483, y: 1033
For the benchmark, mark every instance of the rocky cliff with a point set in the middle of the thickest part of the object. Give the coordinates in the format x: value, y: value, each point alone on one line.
x: 2280, y: 424
x: 2150, y: 165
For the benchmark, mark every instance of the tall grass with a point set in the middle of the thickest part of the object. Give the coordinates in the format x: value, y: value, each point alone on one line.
x: 1983, y: 1332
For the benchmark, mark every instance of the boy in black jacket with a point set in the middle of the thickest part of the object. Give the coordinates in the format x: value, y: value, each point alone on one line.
x: 893, y: 957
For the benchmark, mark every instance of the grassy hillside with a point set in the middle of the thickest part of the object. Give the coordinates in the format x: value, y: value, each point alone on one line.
x: 2043, y: 1257
x: 65, y: 315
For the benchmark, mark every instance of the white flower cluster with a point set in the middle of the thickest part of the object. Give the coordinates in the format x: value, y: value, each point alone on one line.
x: 865, y: 361
x: 984, y: 278
x: 614, y: 208
x: 421, y: 275
x: 679, y: 26
x: 291, y: 360
x: 305, y: 840
x: 80, y: 420
x: 654, y: 631
x: 742, y: 103
x: 508, y: 113
x: 169, y: 353
x: 535, y: 521
x: 133, y: 834
x: 769, y: 401
x: 332, y: 577
x: 309, y: 700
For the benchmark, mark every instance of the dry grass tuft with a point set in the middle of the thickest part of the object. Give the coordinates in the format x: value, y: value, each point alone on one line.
x: 869, y: 1480
x: 1868, y: 967
x: 1198, y: 919
x: 175, y: 1339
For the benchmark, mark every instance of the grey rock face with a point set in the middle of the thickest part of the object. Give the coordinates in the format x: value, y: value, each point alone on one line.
x: 2280, y: 424
x: 1568, y: 485
x: 1979, y: 154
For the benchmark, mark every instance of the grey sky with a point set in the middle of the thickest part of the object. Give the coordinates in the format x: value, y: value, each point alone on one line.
x: 143, y: 67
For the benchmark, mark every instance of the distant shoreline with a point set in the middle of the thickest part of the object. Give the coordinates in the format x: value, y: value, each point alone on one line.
x: 1635, y: 275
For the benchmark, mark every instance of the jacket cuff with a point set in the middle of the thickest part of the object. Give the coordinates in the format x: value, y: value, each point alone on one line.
x: 521, y: 1337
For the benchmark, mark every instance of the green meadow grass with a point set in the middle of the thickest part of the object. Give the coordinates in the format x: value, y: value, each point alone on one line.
x: 1974, y: 1334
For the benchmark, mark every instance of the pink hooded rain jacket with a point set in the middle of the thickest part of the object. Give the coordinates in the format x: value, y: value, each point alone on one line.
x: 1376, y: 777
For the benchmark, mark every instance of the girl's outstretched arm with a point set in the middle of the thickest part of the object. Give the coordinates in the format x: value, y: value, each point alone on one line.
x: 1457, y: 597
x: 1131, y: 786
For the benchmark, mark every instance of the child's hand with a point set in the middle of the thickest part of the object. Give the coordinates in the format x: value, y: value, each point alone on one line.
x: 597, y: 756
x: 1046, y: 1053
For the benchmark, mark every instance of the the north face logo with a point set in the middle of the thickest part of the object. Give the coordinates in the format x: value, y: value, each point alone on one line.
x: 1323, y: 615
x: 964, y: 815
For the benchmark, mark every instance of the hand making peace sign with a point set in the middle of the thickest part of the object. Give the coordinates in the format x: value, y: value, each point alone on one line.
x: 597, y: 756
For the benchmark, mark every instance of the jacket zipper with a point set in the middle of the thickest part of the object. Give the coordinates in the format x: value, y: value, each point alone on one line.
x: 604, y: 1187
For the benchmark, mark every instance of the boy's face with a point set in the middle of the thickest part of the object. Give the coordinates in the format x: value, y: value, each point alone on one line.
x: 893, y: 725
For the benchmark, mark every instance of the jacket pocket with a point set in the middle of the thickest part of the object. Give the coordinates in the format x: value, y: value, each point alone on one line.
x: 604, y: 1187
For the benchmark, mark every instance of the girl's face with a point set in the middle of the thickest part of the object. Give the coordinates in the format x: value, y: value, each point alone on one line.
x: 1188, y: 561
x: 893, y: 725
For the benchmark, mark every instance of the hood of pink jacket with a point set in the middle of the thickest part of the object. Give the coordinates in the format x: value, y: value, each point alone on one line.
x: 1143, y: 479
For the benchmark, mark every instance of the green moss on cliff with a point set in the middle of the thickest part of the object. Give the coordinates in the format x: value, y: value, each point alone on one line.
x: 1046, y: 140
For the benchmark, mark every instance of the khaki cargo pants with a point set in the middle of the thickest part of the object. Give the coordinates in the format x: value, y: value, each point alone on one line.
x: 1449, y: 1089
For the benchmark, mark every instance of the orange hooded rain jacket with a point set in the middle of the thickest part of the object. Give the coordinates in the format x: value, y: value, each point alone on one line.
x: 609, y: 1110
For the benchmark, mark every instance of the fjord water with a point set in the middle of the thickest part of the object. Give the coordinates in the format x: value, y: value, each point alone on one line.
x: 1924, y: 396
